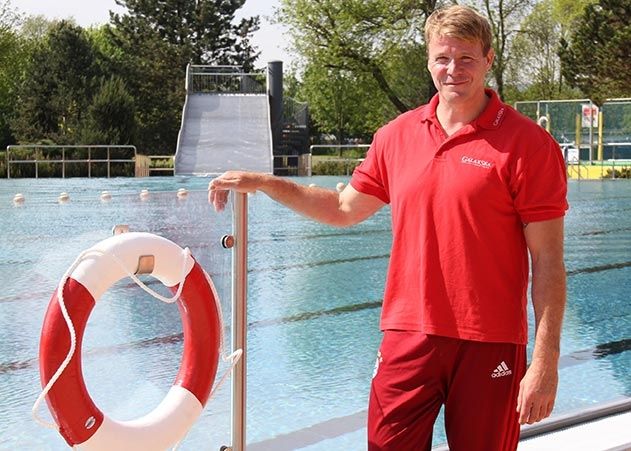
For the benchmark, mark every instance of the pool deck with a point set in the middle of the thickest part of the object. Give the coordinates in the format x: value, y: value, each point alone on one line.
x: 612, y: 433
x: 605, y: 427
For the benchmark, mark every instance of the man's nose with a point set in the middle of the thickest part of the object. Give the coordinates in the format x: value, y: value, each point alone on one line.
x: 453, y: 66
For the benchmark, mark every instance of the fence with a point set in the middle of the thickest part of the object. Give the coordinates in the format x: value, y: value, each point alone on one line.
x: 224, y: 80
x: 295, y: 113
x: 587, y: 131
x: 71, y: 160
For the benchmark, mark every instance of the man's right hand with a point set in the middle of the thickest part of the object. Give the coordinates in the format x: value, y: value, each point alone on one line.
x: 239, y: 181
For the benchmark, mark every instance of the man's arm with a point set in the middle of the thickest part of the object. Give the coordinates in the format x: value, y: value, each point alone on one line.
x: 538, y: 388
x: 329, y: 207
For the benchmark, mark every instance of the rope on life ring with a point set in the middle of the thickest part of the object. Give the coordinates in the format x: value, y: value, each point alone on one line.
x: 77, y: 418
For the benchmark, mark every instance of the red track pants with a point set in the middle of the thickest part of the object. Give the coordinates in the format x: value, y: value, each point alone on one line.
x: 416, y: 374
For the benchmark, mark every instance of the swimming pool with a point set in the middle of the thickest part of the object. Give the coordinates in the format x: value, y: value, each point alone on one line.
x: 313, y: 305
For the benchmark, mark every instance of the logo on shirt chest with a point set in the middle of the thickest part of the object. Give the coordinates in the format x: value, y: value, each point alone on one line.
x: 476, y: 162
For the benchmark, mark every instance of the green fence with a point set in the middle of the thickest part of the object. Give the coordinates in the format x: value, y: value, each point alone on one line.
x: 590, y: 132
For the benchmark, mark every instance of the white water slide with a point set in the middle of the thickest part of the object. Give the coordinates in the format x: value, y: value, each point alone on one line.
x: 223, y: 131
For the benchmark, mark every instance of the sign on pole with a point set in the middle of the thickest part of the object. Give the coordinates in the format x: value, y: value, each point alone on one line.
x: 589, y: 116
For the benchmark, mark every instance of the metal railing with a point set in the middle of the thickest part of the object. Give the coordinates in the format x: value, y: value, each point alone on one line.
x: 295, y: 113
x: 610, y: 167
x: 239, y: 320
x: 340, y: 149
x: 57, y: 155
x: 224, y: 80
x: 577, y: 170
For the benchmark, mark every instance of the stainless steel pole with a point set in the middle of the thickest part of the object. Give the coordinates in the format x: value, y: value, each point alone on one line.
x: 239, y: 318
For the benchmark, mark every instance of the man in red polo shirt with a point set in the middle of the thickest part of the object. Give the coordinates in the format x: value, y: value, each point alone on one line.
x: 474, y: 188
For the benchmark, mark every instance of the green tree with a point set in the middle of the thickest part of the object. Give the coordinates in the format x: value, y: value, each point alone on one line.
x: 154, y: 75
x: 58, y: 87
x: 12, y: 62
x: 597, y: 59
x: 342, y: 103
x: 203, y: 30
x: 365, y: 38
x: 111, y: 117
x: 535, y: 69
x: 35, y: 28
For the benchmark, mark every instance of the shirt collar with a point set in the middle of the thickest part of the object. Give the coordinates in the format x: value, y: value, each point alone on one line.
x: 490, y: 118
x: 493, y: 114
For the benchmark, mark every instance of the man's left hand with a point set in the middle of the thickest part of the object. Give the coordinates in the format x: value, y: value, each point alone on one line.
x: 537, y: 392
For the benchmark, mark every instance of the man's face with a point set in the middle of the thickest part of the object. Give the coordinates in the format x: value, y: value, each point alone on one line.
x: 458, y: 68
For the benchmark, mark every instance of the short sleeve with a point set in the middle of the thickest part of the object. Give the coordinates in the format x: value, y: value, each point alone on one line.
x: 540, y: 188
x: 370, y: 177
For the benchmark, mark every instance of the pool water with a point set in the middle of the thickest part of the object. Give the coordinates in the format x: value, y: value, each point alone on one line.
x: 313, y: 309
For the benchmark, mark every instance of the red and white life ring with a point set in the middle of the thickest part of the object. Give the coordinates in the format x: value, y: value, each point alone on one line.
x: 80, y: 421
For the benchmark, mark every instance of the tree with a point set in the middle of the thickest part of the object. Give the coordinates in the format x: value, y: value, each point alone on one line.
x: 58, y: 87
x: 597, y: 57
x: 12, y: 62
x: 504, y: 17
x: 202, y: 30
x: 340, y: 102
x: 365, y: 38
x: 154, y: 75
x: 534, y: 70
x: 111, y: 116
x: 35, y: 28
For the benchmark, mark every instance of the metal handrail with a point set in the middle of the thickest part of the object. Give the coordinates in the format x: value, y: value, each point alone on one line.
x: 337, y: 146
x: 63, y: 159
x: 239, y: 319
x: 216, y: 81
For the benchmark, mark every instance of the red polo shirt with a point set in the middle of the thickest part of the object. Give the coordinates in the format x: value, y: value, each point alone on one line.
x: 459, y: 261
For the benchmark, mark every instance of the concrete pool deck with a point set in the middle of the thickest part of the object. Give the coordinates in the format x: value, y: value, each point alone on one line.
x: 612, y: 433
x: 600, y: 428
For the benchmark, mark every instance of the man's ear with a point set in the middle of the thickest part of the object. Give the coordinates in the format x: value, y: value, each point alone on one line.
x: 490, y: 57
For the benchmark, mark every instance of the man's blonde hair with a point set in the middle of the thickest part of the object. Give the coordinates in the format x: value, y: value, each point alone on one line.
x: 460, y: 22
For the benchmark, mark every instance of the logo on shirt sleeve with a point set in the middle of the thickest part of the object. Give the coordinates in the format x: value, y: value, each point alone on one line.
x: 476, y: 162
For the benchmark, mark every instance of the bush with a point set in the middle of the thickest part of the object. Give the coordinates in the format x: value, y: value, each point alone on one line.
x: 623, y: 173
x: 166, y: 162
x: 334, y: 167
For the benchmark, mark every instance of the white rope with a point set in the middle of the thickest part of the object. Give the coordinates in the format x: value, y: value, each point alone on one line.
x: 71, y: 329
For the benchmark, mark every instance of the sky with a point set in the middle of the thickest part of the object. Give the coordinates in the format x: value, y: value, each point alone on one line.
x: 96, y: 12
